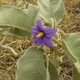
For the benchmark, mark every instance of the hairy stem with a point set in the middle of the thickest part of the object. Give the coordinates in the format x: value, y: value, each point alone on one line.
x: 11, y: 49
x: 3, y: 40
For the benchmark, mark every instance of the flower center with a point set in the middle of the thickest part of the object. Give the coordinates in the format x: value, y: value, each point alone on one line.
x: 39, y: 35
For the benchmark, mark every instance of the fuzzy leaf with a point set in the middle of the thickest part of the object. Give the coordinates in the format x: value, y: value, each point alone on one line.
x: 53, y: 72
x: 16, y: 21
x: 31, y: 65
x: 71, y: 45
x: 14, y: 17
x: 51, y: 9
x: 33, y: 11
x: 76, y: 74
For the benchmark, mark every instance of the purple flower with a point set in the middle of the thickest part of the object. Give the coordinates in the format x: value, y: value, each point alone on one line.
x: 41, y: 35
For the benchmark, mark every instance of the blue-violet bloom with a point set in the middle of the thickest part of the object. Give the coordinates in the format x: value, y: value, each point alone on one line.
x: 41, y: 35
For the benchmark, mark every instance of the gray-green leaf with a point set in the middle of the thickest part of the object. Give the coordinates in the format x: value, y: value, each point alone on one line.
x: 71, y: 45
x: 33, y: 11
x: 51, y: 9
x: 14, y: 17
x: 53, y: 72
x: 31, y: 65
x: 16, y: 21
x: 76, y: 74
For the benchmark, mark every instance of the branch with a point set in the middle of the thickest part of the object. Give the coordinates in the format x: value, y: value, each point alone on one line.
x: 3, y: 40
x: 8, y: 47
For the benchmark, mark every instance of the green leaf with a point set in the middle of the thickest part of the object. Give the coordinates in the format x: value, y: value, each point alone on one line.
x: 1, y: 29
x: 53, y: 72
x: 33, y: 11
x: 51, y: 9
x: 71, y: 46
x: 16, y: 20
x: 76, y: 74
x: 14, y: 17
x: 56, y: 57
x: 15, y: 32
x: 31, y: 65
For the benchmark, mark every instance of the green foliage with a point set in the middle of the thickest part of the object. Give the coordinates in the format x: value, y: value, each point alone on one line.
x: 71, y: 45
x: 31, y: 65
x: 33, y: 11
x: 51, y: 9
x: 76, y: 74
x: 16, y: 32
x: 16, y: 21
x: 53, y: 72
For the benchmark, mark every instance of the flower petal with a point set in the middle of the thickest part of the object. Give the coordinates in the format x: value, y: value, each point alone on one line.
x: 47, y: 42
x: 37, y: 41
x: 49, y: 32
x: 34, y: 31
x: 39, y: 25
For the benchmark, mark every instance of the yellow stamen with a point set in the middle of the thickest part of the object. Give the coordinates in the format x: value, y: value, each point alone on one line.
x: 41, y: 34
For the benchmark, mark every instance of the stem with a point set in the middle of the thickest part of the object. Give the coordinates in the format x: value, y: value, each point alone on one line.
x: 47, y: 70
x: 11, y: 43
x: 53, y: 23
x: 3, y: 40
x: 57, y: 42
x: 62, y: 32
x: 8, y: 47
